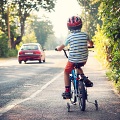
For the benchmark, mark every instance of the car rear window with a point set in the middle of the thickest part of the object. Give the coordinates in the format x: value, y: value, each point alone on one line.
x: 29, y: 47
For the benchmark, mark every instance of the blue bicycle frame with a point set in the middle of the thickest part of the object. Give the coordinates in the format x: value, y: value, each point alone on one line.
x: 74, y: 79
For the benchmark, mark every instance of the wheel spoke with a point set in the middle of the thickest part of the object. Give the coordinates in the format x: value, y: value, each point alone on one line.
x: 82, y: 96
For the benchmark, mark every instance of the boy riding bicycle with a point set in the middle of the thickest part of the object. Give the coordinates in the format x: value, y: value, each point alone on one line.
x: 78, y: 52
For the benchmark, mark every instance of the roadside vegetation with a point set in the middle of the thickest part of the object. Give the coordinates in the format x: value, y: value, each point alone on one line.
x: 19, y: 24
x: 101, y: 20
x: 103, y: 24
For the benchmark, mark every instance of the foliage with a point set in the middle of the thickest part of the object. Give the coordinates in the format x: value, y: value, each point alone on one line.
x: 111, y: 19
x: 14, y: 14
x: 109, y: 13
x: 51, y: 43
x: 29, y: 35
x: 107, y: 37
x: 42, y: 29
x: 115, y: 78
x: 90, y: 15
x: 12, y: 53
x: 3, y: 45
x: 4, y: 50
x: 101, y: 42
x: 29, y: 38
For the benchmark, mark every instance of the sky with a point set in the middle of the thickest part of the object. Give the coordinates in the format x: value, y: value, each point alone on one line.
x: 63, y: 10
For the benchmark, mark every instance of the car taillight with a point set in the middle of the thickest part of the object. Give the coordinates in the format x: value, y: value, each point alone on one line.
x: 20, y: 53
x: 37, y: 52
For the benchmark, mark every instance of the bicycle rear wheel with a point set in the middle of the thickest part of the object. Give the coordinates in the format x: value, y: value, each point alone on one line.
x: 73, y: 94
x: 82, y: 96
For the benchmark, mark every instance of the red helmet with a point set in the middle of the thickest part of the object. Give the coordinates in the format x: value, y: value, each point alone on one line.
x: 74, y: 23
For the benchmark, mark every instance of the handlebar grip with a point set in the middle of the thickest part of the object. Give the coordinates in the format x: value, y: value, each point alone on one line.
x: 56, y: 49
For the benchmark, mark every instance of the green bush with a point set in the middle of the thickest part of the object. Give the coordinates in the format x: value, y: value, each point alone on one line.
x: 107, y: 39
x: 3, y: 45
x: 108, y: 53
x: 4, y: 50
x: 12, y: 53
x: 115, y: 77
x: 101, y: 42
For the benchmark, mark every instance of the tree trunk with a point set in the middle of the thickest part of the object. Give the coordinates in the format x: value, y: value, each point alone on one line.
x: 15, y: 42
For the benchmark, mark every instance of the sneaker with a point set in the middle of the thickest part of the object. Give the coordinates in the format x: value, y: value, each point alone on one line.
x: 66, y: 95
x: 87, y: 82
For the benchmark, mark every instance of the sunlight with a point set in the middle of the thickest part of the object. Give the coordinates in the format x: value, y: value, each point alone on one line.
x: 63, y: 10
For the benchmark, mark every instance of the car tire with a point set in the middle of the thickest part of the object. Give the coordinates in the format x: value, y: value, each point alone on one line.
x: 39, y: 61
x: 25, y: 62
x: 20, y: 62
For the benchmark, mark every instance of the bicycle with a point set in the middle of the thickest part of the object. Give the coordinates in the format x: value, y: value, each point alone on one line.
x: 78, y: 89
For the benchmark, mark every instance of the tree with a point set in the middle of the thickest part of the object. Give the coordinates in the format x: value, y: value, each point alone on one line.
x: 18, y: 12
x: 42, y: 29
x: 90, y: 15
x: 51, y: 42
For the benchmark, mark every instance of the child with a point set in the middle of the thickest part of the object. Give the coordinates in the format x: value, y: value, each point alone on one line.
x: 78, y: 52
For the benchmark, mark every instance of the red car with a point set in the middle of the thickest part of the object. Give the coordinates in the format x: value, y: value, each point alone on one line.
x: 31, y: 51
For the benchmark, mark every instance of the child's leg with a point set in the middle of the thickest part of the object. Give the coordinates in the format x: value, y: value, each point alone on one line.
x: 80, y: 71
x: 67, y: 82
x: 67, y: 71
x: 66, y: 79
x: 86, y: 80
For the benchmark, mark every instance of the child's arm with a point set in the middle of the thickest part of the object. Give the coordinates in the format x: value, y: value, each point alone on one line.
x: 60, y: 47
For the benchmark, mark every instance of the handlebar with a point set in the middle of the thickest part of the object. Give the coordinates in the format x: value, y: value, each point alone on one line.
x: 68, y: 50
x: 65, y: 53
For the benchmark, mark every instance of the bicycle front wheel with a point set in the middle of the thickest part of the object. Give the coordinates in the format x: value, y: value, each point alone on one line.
x: 82, y: 96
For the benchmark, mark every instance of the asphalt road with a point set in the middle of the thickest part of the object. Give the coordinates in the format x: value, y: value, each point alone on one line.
x: 32, y: 91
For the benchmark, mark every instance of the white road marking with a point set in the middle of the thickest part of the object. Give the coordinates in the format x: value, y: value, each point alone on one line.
x: 15, y: 102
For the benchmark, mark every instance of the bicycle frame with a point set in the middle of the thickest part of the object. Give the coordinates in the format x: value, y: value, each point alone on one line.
x: 75, y: 81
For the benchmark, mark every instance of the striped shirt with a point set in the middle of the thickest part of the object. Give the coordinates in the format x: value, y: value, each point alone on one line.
x: 77, y: 41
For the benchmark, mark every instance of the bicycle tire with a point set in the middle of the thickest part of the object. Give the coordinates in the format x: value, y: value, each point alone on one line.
x: 81, y: 96
x: 96, y: 104
x: 73, y: 98
x: 68, y: 107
